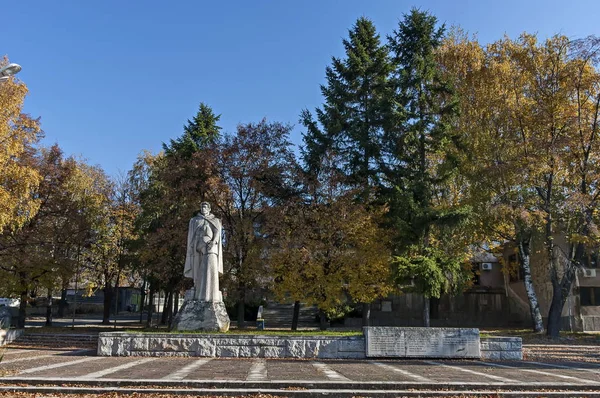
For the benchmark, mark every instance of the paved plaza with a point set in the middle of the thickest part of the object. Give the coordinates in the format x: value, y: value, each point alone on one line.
x: 82, y: 368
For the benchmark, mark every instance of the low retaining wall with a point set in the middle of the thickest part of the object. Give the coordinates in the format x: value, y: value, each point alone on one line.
x: 7, y: 336
x: 230, y: 346
x: 502, y: 348
x: 252, y: 346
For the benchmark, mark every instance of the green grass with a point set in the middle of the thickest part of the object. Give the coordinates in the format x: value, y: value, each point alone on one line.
x: 255, y: 332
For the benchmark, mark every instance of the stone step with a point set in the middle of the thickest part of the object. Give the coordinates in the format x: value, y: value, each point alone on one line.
x: 280, y: 315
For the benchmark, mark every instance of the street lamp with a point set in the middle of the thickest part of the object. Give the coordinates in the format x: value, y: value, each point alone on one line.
x: 9, y: 70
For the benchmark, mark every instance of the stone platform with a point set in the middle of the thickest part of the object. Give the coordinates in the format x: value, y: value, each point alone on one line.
x: 502, y: 348
x: 229, y: 345
x: 396, y: 343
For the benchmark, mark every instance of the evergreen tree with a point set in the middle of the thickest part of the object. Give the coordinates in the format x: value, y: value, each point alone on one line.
x: 198, y: 133
x: 356, y: 105
x: 420, y: 162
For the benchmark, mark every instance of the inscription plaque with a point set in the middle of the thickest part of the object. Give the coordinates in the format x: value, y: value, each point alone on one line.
x: 421, y: 342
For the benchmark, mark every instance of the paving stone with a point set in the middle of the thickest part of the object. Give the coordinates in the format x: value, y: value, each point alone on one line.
x: 151, y: 370
x: 294, y: 369
x: 357, y: 371
x: 222, y: 369
x: 82, y: 369
x: 282, y: 369
x: 515, y: 374
x: 34, y: 363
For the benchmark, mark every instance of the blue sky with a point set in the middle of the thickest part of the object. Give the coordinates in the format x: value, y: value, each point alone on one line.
x: 111, y: 78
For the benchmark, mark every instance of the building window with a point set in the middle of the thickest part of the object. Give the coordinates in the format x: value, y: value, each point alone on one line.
x: 589, y: 296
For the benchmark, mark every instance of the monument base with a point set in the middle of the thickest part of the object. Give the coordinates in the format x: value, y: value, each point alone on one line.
x: 415, y: 342
x: 203, y: 316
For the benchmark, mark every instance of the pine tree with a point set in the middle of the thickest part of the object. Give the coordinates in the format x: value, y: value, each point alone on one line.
x: 198, y: 133
x: 419, y: 162
x: 356, y: 105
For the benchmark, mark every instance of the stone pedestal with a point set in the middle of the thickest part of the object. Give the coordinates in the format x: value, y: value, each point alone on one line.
x: 199, y: 315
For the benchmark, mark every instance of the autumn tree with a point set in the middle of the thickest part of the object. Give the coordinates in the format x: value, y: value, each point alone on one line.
x: 584, y: 160
x: 18, y: 133
x: 328, y: 249
x: 125, y: 210
x: 357, y: 115
x: 530, y: 115
x: 44, y: 252
x: 253, y: 167
x: 546, y: 131
x: 505, y: 209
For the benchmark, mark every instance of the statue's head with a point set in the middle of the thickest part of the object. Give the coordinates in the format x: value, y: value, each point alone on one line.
x: 205, y: 208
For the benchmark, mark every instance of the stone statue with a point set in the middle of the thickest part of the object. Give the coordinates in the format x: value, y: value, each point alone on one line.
x: 204, y: 256
x: 203, y: 309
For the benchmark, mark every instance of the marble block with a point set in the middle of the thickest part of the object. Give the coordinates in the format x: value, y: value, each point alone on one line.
x: 203, y: 316
x: 406, y: 342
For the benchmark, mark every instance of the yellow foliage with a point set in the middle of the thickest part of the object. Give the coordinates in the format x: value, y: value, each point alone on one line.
x: 330, y: 254
x: 18, y: 179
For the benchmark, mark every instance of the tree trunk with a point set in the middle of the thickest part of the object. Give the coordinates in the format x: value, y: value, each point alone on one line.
x: 176, y: 304
x: 366, y: 314
x: 62, y: 304
x: 296, y: 315
x: 173, y: 308
x: 426, y: 311
x: 560, y: 286
x: 107, y: 301
x: 158, y: 310
x: 241, y: 306
x: 167, y: 306
x: 434, y: 308
x: 142, y: 300
x: 322, y: 320
x: 554, y: 314
x: 116, y: 310
x: 22, y: 310
x: 525, y: 263
x: 49, y: 308
x: 240, y: 314
x: 150, y: 306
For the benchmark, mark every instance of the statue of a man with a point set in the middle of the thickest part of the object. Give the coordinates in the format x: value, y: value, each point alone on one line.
x: 204, y: 256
